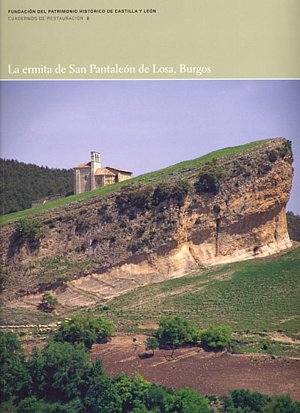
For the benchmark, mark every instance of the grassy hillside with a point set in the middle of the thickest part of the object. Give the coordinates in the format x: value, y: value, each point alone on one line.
x: 167, y: 173
x: 258, y: 298
x: 23, y: 183
x: 252, y: 296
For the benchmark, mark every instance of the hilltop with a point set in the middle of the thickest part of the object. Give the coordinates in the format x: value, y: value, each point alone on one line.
x: 166, y: 174
x: 226, y: 206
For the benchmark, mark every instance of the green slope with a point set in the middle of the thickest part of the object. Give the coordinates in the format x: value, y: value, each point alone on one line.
x: 253, y: 296
x: 163, y: 174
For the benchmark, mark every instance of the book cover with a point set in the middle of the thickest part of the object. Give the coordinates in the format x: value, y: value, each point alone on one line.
x: 149, y: 154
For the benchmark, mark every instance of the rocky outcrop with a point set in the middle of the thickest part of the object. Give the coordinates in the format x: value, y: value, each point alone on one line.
x: 228, y: 209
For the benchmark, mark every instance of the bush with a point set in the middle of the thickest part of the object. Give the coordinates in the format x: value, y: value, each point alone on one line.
x: 85, y: 329
x: 210, y: 178
x: 186, y: 401
x: 30, y: 229
x: 282, y: 404
x: 243, y: 400
x: 176, y: 331
x: 216, y: 337
x: 151, y: 343
x: 165, y: 192
x: 48, y: 303
x: 13, y: 377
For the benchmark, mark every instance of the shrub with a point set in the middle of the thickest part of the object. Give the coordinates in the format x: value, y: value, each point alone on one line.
x: 186, y: 401
x: 30, y: 229
x: 138, y: 198
x: 84, y: 329
x: 48, y: 303
x: 244, y: 399
x: 133, y: 391
x: 210, y: 178
x: 176, y: 331
x: 216, y: 337
x: 282, y: 404
x: 14, y: 376
x: 165, y: 192
x: 151, y: 343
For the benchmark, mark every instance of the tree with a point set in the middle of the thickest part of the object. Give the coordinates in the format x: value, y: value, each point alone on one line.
x: 186, y: 401
x: 102, y: 396
x: 23, y: 183
x: 174, y: 332
x: 48, y: 303
x: 133, y: 391
x: 14, y: 376
x: 151, y: 343
x: 242, y: 400
x: 84, y: 329
x: 156, y: 396
x: 60, y: 370
x: 216, y: 337
x: 31, y: 404
x: 293, y: 223
x: 282, y: 404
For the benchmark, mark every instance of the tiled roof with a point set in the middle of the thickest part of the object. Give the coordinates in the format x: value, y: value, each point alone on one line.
x: 104, y: 171
x: 83, y: 165
x: 118, y: 169
x: 108, y: 170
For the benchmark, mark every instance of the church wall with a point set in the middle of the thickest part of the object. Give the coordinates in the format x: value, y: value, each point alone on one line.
x: 82, y: 180
x: 122, y: 176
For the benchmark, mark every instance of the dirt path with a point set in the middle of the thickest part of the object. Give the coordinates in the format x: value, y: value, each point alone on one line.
x: 209, y: 373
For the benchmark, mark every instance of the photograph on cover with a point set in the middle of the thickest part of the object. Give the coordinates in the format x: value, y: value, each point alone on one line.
x: 167, y: 211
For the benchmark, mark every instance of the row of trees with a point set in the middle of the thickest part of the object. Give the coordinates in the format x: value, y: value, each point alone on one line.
x: 61, y: 379
x: 174, y: 332
x: 23, y: 183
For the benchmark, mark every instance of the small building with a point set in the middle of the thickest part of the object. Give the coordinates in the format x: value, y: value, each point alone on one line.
x: 90, y: 175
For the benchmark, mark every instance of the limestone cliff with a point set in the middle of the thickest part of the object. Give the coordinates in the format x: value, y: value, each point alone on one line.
x: 228, y: 209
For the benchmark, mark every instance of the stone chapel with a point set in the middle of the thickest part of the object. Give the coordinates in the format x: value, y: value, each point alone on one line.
x: 90, y: 175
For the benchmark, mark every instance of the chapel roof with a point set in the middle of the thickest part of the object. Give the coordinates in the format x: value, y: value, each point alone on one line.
x: 83, y: 165
x: 104, y: 171
x: 119, y: 170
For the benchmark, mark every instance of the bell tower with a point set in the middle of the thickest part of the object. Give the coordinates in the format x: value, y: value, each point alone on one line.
x: 95, y: 164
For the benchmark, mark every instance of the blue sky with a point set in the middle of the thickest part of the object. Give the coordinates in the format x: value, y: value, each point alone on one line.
x: 144, y: 125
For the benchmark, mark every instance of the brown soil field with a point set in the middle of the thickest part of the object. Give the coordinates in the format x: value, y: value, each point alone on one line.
x: 207, y: 372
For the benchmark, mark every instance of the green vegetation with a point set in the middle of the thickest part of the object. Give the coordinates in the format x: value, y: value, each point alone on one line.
x: 30, y: 229
x: 262, y: 343
x: 209, y: 180
x: 293, y: 222
x: 23, y: 183
x: 151, y: 343
x: 186, y: 400
x: 48, y: 303
x: 244, y: 401
x: 176, y: 331
x: 257, y: 298
x: 216, y: 337
x: 251, y: 296
x: 60, y: 378
x: 84, y: 329
x: 174, y: 171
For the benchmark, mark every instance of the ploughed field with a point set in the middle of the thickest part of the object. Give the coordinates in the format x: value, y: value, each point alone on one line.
x: 207, y: 372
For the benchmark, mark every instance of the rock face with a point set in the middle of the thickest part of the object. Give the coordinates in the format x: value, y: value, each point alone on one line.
x: 228, y: 209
